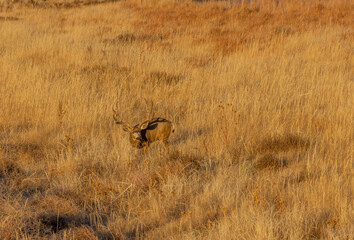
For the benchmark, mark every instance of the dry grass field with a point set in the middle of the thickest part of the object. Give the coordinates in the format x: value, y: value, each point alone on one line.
x: 261, y: 95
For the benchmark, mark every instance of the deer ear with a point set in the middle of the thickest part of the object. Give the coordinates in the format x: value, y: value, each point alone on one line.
x: 144, y: 125
x: 127, y: 128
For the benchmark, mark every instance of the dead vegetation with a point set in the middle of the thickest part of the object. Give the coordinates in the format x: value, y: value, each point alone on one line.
x: 260, y: 93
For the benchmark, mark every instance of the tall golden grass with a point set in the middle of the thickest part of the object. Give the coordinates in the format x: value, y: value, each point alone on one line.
x: 261, y: 95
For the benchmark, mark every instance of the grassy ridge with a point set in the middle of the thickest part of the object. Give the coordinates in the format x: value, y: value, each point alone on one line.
x: 261, y: 96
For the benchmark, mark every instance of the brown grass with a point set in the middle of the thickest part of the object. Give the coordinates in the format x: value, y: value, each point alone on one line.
x: 261, y: 96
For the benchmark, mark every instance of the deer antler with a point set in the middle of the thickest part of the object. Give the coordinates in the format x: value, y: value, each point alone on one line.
x: 144, y: 124
x: 151, y: 113
x: 126, y: 126
x: 115, y: 114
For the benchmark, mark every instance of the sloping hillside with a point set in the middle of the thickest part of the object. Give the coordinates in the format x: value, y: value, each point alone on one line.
x: 261, y: 96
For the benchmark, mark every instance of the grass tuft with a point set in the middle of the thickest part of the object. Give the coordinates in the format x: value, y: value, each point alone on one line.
x: 260, y: 94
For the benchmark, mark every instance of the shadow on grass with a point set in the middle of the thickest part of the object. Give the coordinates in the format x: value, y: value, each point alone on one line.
x: 9, y: 168
x: 130, y: 38
x: 282, y: 144
x: 157, y: 77
x: 270, y: 162
x: 54, y: 222
x: 34, y: 150
x: 2, y: 18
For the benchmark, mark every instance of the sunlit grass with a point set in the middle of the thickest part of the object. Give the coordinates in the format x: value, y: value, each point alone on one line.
x: 260, y: 95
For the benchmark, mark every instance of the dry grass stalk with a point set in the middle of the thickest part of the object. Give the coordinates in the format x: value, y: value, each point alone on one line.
x: 261, y: 94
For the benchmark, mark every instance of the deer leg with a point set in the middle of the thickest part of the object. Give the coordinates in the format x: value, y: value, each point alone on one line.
x: 145, y: 147
x: 145, y: 150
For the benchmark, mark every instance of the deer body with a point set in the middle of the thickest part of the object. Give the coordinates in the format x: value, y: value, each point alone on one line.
x: 149, y: 131
x: 143, y: 134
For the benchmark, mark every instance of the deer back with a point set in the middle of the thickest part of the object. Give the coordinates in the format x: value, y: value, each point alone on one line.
x: 157, y: 129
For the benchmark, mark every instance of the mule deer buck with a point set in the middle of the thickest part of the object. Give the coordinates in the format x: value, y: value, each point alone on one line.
x: 147, y: 132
